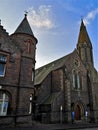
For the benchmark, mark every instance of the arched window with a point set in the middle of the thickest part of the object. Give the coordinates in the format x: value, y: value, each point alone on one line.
x: 73, y: 80
x: 32, y: 74
x: 76, y: 80
x: 30, y: 106
x: 3, y: 103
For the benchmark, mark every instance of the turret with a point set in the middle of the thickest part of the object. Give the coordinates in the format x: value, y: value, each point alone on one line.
x: 24, y: 38
x: 26, y: 42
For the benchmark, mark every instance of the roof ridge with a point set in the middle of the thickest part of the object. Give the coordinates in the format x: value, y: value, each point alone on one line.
x: 55, y: 61
x: 43, y: 71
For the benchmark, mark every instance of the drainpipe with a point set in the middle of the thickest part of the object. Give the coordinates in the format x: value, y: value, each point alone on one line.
x: 18, y: 90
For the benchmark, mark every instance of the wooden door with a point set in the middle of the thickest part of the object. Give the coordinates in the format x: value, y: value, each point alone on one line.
x: 77, y: 113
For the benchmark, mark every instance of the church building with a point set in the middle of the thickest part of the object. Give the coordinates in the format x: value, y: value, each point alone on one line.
x: 67, y: 88
x: 17, y: 65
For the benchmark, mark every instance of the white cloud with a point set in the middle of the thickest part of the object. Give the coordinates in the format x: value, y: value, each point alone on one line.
x: 41, y: 17
x: 90, y: 16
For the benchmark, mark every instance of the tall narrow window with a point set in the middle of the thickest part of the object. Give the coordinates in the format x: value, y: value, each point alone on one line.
x: 78, y: 81
x: 86, y: 57
x: 2, y: 65
x: 73, y: 78
x: 32, y: 74
x: 29, y: 47
x: 74, y: 84
x: 30, y: 107
x: 3, y: 104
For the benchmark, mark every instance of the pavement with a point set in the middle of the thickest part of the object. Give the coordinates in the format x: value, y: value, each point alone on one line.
x: 39, y: 126
x: 69, y: 126
x: 72, y: 126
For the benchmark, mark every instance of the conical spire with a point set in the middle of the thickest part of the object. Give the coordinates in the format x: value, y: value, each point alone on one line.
x: 83, y: 35
x: 84, y: 46
x: 24, y: 27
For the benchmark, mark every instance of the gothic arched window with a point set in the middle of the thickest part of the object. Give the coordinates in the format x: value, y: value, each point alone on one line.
x: 73, y: 79
x: 30, y: 106
x: 76, y: 80
x: 32, y: 74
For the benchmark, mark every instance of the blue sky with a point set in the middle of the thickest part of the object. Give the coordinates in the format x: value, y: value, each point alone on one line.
x: 55, y: 23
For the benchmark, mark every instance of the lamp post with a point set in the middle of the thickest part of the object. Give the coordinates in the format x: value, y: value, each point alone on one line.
x: 61, y: 108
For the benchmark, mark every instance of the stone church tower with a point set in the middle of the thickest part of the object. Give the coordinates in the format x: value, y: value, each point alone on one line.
x: 84, y: 47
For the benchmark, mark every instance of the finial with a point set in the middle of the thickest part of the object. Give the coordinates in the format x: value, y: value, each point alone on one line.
x: 81, y: 18
x: 82, y: 22
x: 26, y: 13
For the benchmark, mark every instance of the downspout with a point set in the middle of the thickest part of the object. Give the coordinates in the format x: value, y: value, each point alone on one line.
x: 18, y: 91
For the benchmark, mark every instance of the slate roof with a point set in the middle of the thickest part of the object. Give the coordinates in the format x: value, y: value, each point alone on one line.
x: 24, y: 27
x: 41, y: 73
x: 52, y: 97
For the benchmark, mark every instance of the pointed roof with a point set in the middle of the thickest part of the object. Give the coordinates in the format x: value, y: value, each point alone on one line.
x: 24, y: 27
x: 83, y: 35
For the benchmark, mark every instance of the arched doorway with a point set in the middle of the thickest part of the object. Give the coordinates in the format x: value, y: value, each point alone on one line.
x: 77, y: 112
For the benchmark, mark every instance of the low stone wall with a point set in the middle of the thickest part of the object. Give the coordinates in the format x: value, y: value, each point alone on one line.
x: 12, y: 121
x: 24, y: 120
x: 7, y: 121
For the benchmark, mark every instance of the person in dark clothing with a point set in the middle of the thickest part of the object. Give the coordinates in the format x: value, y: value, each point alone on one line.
x: 73, y: 116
